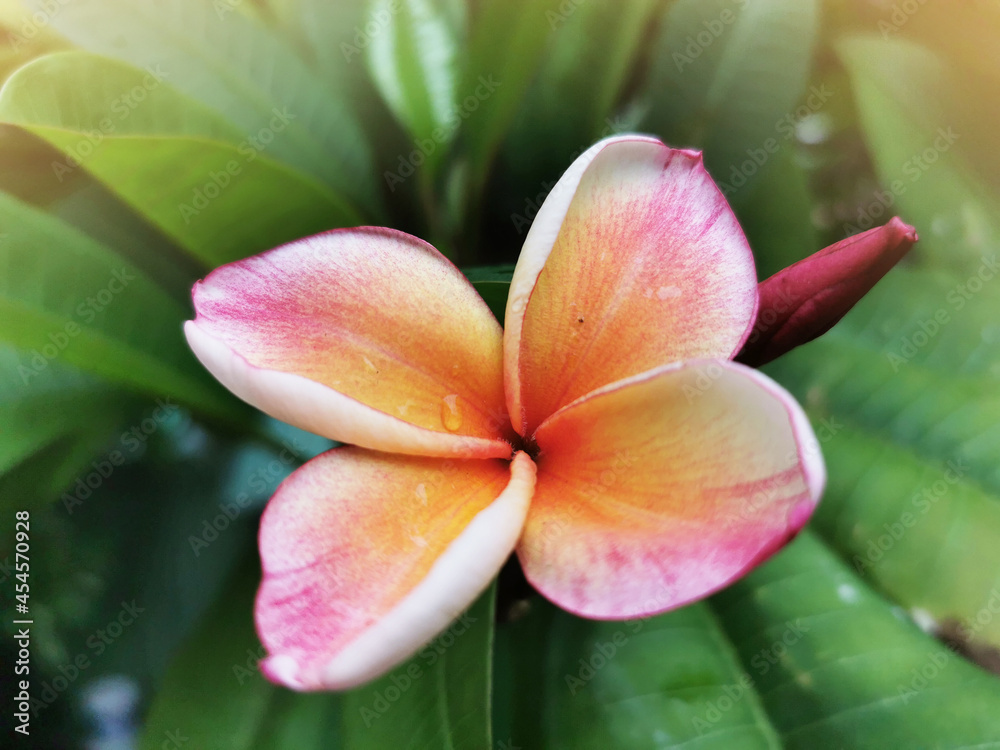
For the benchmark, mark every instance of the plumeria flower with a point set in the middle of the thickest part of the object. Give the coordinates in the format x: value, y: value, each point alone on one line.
x: 605, y: 433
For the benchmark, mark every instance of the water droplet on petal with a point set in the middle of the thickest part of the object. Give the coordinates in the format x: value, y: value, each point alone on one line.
x: 451, y: 417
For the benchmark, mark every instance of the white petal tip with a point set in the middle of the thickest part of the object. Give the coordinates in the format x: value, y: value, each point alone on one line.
x: 282, y: 669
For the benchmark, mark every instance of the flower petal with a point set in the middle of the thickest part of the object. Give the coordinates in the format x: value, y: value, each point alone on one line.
x: 367, y: 336
x: 807, y: 299
x: 367, y: 556
x: 658, y: 490
x: 634, y: 261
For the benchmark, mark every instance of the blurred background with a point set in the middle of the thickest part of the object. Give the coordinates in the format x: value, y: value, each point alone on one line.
x: 144, y: 142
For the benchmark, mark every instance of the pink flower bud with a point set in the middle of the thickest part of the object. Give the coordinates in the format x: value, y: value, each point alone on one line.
x: 805, y: 300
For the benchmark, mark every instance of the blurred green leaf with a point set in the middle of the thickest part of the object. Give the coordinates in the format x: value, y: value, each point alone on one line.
x: 413, y: 58
x: 297, y: 721
x: 213, y: 693
x: 493, y: 284
x: 776, y: 217
x: 188, y: 531
x: 219, y: 198
x: 915, y: 132
x: 507, y: 40
x: 962, y: 36
x: 53, y: 424
x: 592, y: 50
x: 239, y: 69
x: 28, y: 172
x: 438, y: 699
x: 22, y: 37
x: 835, y: 666
x: 65, y: 296
x: 35, y: 414
x: 99, y: 213
x: 726, y: 76
x: 336, y: 37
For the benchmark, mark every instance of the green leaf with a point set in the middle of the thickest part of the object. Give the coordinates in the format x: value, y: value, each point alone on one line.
x: 961, y: 35
x: 493, y: 285
x: 64, y: 296
x: 915, y: 361
x: 213, y: 693
x: 593, y: 48
x: 439, y: 699
x: 22, y: 37
x: 917, y: 427
x: 929, y: 541
x: 835, y: 666
x: 53, y: 424
x: 777, y: 217
x: 507, y: 40
x: 170, y: 531
x: 413, y: 60
x: 31, y: 412
x: 301, y: 722
x: 914, y: 129
x: 726, y: 76
x: 240, y: 70
x: 335, y: 38
x: 172, y: 159
x: 97, y: 212
x: 799, y: 654
x: 28, y: 172
x: 636, y: 684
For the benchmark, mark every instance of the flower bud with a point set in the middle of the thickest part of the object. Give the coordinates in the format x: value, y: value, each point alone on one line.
x: 806, y: 299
